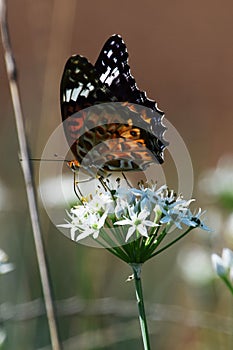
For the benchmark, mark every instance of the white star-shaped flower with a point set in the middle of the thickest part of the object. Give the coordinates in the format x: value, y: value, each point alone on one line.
x: 137, y: 222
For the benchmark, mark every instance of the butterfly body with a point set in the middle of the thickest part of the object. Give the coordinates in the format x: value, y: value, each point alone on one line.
x: 109, y: 123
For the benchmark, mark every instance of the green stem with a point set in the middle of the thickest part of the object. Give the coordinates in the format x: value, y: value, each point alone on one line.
x: 141, y: 310
x: 228, y: 283
x: 171, y: 243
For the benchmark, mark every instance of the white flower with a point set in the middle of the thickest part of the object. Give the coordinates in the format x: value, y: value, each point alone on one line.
x: 197, y: 221
x: 120, y: 208
x: 147, y: 196
x: 125, y: 194
x: 85, y: 222
x: 165, y: 198
x: 101, y: 201
x: 5, y: 266
x: 133, y: 208
x: 92, y: 226
x: 176, y: 213
x: 137, y: 222
x: 73, y: 228
x: 2, y: 336
x: 77, y: 216
x: 3, y: 256
x: 223, y: 266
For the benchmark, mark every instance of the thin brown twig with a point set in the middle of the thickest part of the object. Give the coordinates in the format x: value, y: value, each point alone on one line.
x: 12, y: 77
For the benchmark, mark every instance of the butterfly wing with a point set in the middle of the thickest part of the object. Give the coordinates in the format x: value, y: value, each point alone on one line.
x: 81, y: 87
x: 114, y: 71
x: 110, y: 80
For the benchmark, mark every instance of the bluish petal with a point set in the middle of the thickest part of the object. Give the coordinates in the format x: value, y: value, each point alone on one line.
x: 218, y: 265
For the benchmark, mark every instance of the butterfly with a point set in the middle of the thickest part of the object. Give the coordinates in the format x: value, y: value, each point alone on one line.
x: 109, y: 123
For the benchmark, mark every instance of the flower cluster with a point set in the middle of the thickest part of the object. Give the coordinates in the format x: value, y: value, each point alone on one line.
x: 148, y: 213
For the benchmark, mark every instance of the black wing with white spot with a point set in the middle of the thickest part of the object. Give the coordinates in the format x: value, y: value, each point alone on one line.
x: 114, y: 71
x: 81, y: 87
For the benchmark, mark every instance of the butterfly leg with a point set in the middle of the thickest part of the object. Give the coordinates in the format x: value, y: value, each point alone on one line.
x: 76, y: 187
x: 102, y: 182
x: 126, y: 180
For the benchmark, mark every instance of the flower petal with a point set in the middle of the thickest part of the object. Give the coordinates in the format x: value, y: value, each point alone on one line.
x: 227, y: 257
x: 218, y: 265
x: 142, y: 230
x: 130, y: 232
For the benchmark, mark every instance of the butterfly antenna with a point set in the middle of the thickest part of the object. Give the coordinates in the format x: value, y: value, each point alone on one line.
x: 56, y: 159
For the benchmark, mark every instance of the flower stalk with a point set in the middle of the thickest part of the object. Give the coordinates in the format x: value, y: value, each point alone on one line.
x: 141, y: 309
x: 228, y: 284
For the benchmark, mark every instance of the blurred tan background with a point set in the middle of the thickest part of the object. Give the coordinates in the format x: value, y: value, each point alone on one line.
x: 181, y: 54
